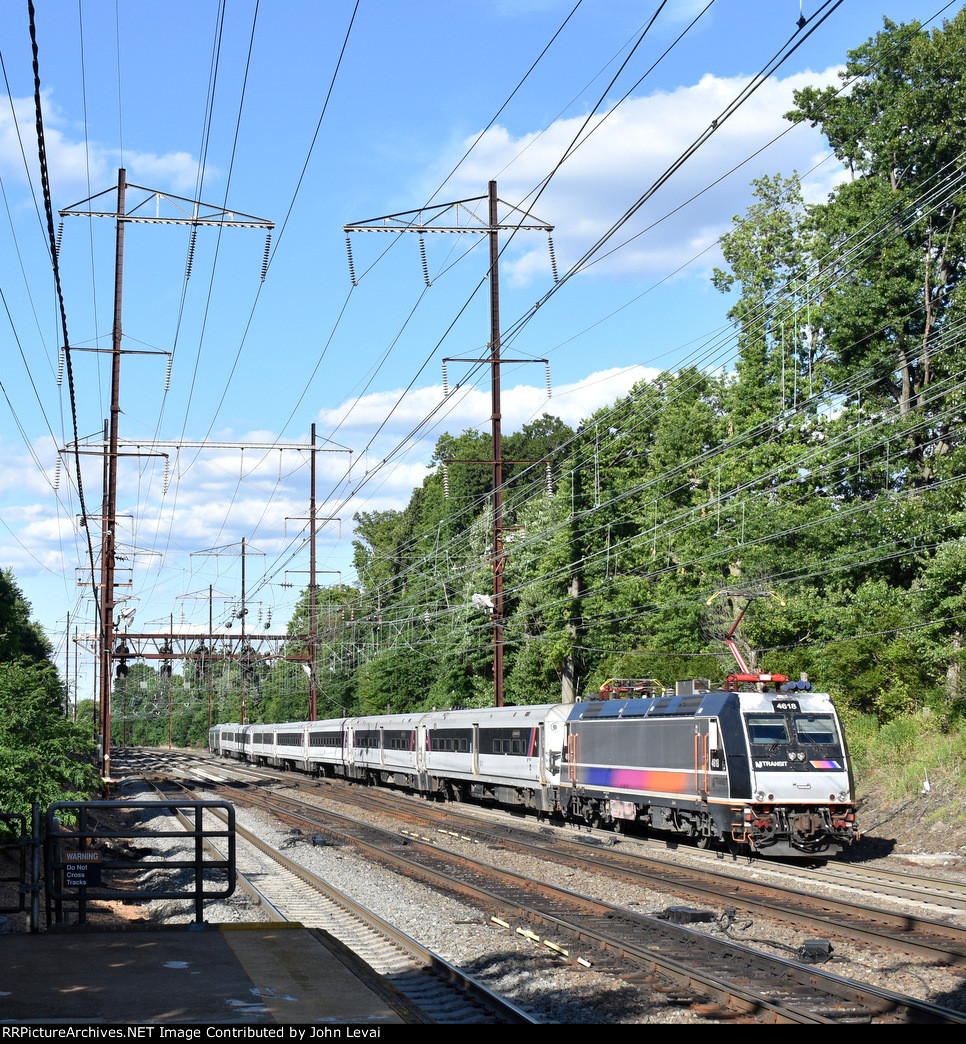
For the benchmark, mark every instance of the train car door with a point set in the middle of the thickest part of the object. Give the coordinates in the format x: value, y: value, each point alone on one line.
x: 419, y: 751
x: 553, y: 741
x: 707, y: 755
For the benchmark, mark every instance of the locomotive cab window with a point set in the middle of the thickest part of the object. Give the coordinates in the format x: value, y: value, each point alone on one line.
x: 772, y: 730
x: 815, y: 728
x: 766, y: 728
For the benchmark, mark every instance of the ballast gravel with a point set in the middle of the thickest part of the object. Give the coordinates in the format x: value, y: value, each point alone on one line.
x: 573, y: 986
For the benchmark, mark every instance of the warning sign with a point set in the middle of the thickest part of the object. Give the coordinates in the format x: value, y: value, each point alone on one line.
x: 82, y: 869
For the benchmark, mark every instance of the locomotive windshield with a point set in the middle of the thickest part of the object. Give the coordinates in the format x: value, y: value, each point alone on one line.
x: 781, y: 729
x: 815, y: 728
x: 767, y: 728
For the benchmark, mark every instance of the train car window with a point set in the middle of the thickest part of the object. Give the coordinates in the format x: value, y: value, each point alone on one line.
x: 325, y: 739
x: 521, y: 742
x: 452, y: 740
x: 766, y: 728
x: 398, y: 740
x: 815, y: 728
x: 290, y: 739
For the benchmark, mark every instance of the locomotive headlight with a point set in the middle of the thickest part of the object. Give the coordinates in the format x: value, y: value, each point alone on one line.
x: 759, y: 795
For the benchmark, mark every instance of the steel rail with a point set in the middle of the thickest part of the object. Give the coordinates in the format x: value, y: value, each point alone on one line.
x: 445, y: 977
x: 597, y: 922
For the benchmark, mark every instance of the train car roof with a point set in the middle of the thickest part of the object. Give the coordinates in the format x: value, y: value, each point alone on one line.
x: 489, y: 715
x: 654, y: 706
x: 711, y: 702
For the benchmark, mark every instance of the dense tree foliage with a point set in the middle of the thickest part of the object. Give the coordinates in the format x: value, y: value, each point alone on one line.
x: 44, y: 756
x: 814, y: 482
x: 19, y: 635
x: 823, y: 469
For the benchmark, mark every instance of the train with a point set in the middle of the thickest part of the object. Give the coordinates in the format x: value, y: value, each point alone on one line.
x: 763, y: 771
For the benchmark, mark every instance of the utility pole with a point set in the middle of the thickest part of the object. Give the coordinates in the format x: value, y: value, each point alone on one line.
x: 165, y: 449
x: 109, y: 524
x: 243, y: 651
x: 496, y: 419
x: 194, y: 213
x: 427, y: 220
x: 313, y: 625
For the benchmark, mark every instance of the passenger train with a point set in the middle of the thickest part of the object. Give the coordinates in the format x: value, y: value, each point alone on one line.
x: 765, y: 772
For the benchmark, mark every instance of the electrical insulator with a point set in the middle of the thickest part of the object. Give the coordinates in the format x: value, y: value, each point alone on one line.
x: 549, y: 480
x: 422, y: 255
x: 352, y: 267
x: 549, y: 392
x: 553, y: 259
x: 167, y: 376
x: 446, y: 482
x: 60, y: 236
x: 57, y: 474
x: 191, y: 252
x: 60, y: 368
x: 445, y: 381
x: 268, y: 246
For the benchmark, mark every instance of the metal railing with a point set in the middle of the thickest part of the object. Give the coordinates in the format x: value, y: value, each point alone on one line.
x: 15, y: 843
x: 92, y: 856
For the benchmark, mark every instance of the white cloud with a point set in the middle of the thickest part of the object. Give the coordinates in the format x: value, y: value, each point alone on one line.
x: 73, y: 163
x: 19, y: 474
x: 622, y: 154
x: 469, y: 408
x: 177, y: 169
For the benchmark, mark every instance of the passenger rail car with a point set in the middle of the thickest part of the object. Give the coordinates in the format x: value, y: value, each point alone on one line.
x: 766, y: 771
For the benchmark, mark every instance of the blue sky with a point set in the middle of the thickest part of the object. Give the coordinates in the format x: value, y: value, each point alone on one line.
x: 314, y: 115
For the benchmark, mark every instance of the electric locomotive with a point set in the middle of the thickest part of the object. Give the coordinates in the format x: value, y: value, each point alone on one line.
x: 762, y: 770
x: 765, y: 770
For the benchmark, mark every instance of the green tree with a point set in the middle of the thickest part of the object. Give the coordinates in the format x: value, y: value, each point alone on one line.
x: 939, y: 597
x: 44, y: 757
x: 894, y: 232
x: 19, y: 636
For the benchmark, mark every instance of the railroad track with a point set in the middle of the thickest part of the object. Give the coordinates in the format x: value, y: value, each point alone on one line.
x: 839, y: 918
x: 941, y: 896
x: 434, y: 991
x: 719, y: 977
x: 771, y: 897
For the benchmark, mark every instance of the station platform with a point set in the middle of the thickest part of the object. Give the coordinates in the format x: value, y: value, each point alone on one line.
x: 249, y: 974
